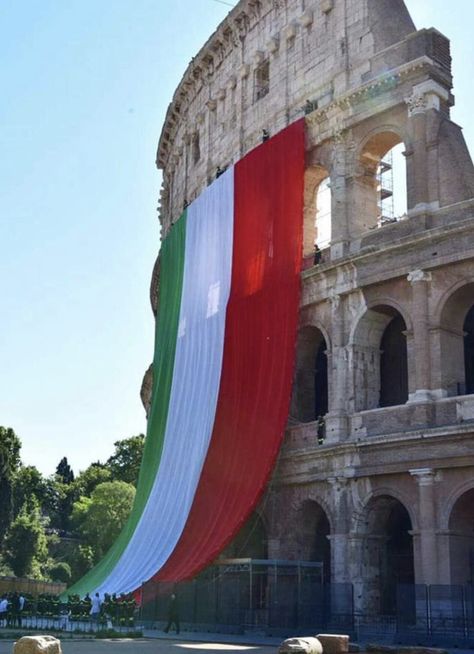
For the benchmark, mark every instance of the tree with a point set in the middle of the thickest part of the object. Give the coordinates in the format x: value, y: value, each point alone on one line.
x: 97, y: 473
x: 26, y: 545
x: 28, y: 485
x: 59, y: 501
x: 124, y: 464
x: 100, y: 518
x: 82, y: 560
x: 64, y: 471
x: 10, y: 446
x: 61, y: 572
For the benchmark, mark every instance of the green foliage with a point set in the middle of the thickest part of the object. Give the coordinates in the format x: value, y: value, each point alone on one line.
x: 82, y: 560
x: 64, y: 472
x: 60, y: 572
x: 59, y: 501
x: 91, y: 477
x: 29, y: 486
x: 95, y: 505
x: 10, y: 446
x: 100, y: 518
x: 124, y: 464
x: 26, y: 545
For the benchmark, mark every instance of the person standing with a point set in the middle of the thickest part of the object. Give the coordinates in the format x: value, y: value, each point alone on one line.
x: 96, y: 604
x: 3, y: 611
x: 21, y: 606
x: 173, y: 614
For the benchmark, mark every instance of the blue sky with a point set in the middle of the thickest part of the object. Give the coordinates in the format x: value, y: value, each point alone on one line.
x: 85, y: 86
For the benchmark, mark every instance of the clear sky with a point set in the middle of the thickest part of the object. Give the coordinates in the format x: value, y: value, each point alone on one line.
x: 85, y: 86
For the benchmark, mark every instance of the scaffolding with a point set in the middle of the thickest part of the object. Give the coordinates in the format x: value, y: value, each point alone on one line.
x: 385, y: 201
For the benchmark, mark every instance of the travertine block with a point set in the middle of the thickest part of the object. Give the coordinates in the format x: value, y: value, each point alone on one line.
x: 303, y: 645
x: 333, y: 643
x: 37, y: 645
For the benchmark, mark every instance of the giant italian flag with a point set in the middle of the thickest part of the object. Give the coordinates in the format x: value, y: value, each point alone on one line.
x: 223, y: 366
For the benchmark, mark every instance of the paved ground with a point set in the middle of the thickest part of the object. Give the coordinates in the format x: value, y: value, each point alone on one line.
x: 155, y: 646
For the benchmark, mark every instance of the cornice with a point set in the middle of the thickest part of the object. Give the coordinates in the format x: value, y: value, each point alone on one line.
x: 239, y: 21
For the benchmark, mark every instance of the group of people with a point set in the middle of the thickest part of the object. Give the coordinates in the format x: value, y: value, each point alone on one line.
x: 11, y: 609
x: 109, y: 610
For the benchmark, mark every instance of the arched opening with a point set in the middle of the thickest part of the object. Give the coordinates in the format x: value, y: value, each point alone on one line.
x: 461, y: 539
x: 381, y: 185
x: 322, y: 223
x: 317, y: 214
x: 392, y: 186
x: 394, y: 364
x: 310, y: 390
x: 387, y: 554
x: 456, y: 346
x: 468, y: 329
x: 380, y: 361
x: 313, y: 537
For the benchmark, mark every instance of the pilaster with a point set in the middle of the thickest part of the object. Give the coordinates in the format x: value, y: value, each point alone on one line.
x: 427, y: 567
x: 419, y: 280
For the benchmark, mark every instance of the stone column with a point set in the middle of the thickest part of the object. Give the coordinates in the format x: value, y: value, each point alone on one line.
x: 422, y: 177
x: 426, y: 568
x: 419, y: 280
x: 339, y: 194
x: 339, y: 538
x: 336, y: 419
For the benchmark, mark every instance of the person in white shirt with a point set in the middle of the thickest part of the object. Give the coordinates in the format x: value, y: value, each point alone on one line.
x: 3, y: 610
x: 96, y: 604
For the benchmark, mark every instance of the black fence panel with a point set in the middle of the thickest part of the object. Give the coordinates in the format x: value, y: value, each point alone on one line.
x: 447, y: 614
x: 412, y: 614
x: 288, y: 599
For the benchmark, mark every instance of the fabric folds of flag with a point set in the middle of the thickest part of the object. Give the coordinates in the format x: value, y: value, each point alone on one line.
x: 224, y: 358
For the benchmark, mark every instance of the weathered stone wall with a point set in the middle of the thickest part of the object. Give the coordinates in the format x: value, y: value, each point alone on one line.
x: 372, y: 81
x: 317, y: 50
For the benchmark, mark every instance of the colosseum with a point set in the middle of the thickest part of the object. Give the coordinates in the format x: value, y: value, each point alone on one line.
x: 375, y: 479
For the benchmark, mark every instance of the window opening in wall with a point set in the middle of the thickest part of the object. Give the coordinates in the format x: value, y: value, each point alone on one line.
x: 310, y: 390
x: 468, y: 329
x: 388, y: 557
x: 196, y: 148
x: 321, y: 382
x: 323, y: 214
x: 391, y: 186
x: 262, y: 80
x: 393, y: 364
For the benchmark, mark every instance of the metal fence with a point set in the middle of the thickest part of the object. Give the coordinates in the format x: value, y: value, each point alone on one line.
x: 287, y: 598
x: 237, y: 596
x: 437, y: 614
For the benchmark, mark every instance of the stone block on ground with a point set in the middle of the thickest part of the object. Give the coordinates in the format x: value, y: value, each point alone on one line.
x: 334, y: 643
x: 37, y: 645
x: 301, y: 645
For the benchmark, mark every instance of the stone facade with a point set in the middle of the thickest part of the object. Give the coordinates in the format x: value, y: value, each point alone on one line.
x: 380, y: 487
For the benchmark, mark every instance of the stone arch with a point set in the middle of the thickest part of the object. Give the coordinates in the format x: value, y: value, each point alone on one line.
x: 449, y: 502
x: 461, y: 539
x: 381, y: 300
x: 312, y: 535
x: 315, y: 175
x: 379, y: 358
x: 386, y: 554
x: 455, y: 323
x: 358, y: 518
x: 311, y: 387
x: 369, y: 189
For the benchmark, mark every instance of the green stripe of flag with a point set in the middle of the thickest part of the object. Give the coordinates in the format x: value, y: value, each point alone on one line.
x: 171, y: 285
